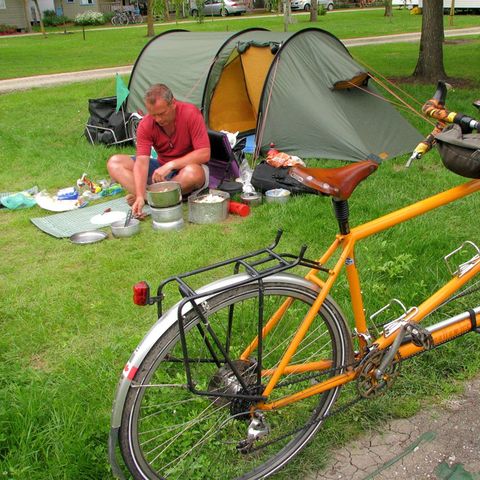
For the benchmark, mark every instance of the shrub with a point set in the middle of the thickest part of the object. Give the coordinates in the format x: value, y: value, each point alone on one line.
x: 51, y: 19
x: 108, y: 16
x: 7, y: 29
x: 89, y: 18
x: 322, y: 10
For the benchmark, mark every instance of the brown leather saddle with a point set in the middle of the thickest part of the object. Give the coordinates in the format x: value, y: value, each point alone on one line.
x: 335, y: 182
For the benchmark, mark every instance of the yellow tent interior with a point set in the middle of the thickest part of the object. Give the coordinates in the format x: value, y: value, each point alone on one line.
x: 236, y: 99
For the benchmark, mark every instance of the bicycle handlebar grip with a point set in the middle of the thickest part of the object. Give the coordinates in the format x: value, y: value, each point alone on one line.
x: 440, y: 94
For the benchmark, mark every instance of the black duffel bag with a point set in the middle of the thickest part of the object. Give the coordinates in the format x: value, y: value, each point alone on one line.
x: 265, y: 177
x: 460, y: 152
x: 105, y: 125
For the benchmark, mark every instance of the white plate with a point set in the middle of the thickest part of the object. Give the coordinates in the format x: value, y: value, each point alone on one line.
x: 108, y: 218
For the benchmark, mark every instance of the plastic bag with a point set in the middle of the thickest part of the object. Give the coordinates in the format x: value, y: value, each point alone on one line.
x: 17, y: 201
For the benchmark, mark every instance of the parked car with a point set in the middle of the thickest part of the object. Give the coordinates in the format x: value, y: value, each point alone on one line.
x: 222, y: 7
x: 306, y: 4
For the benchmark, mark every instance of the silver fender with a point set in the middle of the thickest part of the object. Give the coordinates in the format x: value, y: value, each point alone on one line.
x: 167, y: 320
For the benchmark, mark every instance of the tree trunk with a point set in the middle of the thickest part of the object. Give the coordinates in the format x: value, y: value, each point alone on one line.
x: 388, y: 9
x: 42, y: 27
x: 166, y: 13
x: 314, y: 11
x: 452, y: 13
x: 287, y: 14
x: 28, y: 25
x: 150, y: 29
x: 430, y: 67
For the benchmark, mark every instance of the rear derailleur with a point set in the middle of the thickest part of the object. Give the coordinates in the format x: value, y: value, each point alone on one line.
x: 257, y: 429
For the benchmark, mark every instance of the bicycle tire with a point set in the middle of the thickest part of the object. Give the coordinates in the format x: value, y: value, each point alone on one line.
x: 114, y: 20
x: 192, y: 452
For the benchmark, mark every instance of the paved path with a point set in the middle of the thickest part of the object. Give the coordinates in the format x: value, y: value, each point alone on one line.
x: 26, y: 83
x: 440, y: 442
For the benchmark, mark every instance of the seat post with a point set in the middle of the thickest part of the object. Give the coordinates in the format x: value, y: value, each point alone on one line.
x: 340, y: 207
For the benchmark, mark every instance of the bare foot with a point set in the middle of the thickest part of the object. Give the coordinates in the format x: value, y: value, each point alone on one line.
x: 130, y: 198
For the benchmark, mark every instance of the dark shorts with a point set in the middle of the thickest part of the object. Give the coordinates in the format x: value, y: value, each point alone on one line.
x: 152, y: 166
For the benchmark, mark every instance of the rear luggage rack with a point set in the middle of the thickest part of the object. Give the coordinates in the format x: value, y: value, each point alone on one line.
x: 257, y: 265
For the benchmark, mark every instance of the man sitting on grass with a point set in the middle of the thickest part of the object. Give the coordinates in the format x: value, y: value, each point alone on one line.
x: 178, y: 134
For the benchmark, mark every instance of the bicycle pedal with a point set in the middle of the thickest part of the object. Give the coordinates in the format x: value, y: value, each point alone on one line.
x: 464, y: 267
x: 420, y: 336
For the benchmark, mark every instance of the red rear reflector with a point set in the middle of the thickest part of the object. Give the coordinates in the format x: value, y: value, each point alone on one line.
x: 141, y: 293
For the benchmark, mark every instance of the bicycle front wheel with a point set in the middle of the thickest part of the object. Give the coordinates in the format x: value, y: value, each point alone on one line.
x: 169, y: 432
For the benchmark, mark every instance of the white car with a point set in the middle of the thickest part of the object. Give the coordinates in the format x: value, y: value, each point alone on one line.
x: 306, y: 4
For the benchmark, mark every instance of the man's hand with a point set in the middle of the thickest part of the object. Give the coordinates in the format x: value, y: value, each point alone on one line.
x: 160, y: 174
x: 137, y: 207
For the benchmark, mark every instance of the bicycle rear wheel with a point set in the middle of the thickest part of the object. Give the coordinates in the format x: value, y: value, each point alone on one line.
x: 168, y: 432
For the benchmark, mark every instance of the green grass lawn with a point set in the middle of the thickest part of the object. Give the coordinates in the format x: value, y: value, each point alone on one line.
x: 34, y: 55
x: 66, y: 316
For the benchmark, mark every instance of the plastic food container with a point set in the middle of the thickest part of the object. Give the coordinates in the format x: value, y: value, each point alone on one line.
x: 209, y: 208
x: 277, y: 195
x: 119, y: 230
x: 164, y: 194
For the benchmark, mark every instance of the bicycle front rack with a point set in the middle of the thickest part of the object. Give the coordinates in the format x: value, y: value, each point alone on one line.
x: 257, y: 265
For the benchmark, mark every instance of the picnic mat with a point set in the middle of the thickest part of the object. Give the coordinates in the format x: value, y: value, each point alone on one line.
x: 65, y: 224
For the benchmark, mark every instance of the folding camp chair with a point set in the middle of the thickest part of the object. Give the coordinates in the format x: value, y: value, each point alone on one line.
x: 109, y: 123
x: 224, y: 163
x: 106, y: 125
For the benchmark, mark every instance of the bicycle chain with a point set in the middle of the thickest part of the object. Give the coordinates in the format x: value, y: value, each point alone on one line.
x: 355, y: 364
x: 343, y: 407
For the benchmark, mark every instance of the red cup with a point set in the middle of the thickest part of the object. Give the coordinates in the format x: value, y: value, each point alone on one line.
x: 239, y: 209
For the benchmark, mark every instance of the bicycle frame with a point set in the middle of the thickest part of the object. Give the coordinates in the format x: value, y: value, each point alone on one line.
x: 346, y: 244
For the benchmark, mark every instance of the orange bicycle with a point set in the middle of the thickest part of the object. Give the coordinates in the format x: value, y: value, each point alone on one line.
x: 236, y: 378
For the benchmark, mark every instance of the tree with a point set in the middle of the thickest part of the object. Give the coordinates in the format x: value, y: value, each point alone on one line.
x: 42, y: 27
x: 388, y: 9
x: 430, y: 66
x: 452, y: 13
x: 150, y: 29
x: 26, y: 6
x: 314, y: 11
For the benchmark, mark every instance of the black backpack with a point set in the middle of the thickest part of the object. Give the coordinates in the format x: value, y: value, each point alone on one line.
x: 105, y: 125
x: 265, y: 177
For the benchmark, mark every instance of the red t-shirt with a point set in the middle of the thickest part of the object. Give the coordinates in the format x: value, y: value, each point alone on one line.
x: 190, y: 134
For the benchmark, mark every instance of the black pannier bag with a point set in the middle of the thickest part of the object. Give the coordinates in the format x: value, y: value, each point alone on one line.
x: 460, y: 152
x: 265, y: 177
x: 105, y: 125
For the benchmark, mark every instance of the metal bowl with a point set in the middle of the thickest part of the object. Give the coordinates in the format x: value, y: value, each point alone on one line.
x: 167, y: 214
x: 119, y: 230
x: 277, y: 195
x: 84, y: 238
x: 168, y: 226
x: 253, y: 199
x: 164, y: 194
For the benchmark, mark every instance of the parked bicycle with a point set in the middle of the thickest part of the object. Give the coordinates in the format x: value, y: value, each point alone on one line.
x: 236, y: 378
x: 125, y: 17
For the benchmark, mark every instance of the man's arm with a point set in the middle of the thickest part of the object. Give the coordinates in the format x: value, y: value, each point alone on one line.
x: 199, y: 156
x: 140, y: 174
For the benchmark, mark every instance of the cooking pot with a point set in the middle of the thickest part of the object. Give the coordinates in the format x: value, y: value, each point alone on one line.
x: 208, y: 208
x: 164, y: 194
x: 167, y: 214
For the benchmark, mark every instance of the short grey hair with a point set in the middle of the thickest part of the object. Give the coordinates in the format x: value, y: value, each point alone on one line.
x: 159, y: 90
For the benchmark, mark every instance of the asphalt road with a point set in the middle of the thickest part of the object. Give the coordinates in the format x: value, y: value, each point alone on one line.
x: 26, y: 83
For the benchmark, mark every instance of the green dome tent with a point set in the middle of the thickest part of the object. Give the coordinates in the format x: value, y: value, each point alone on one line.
x: 296, y: 90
